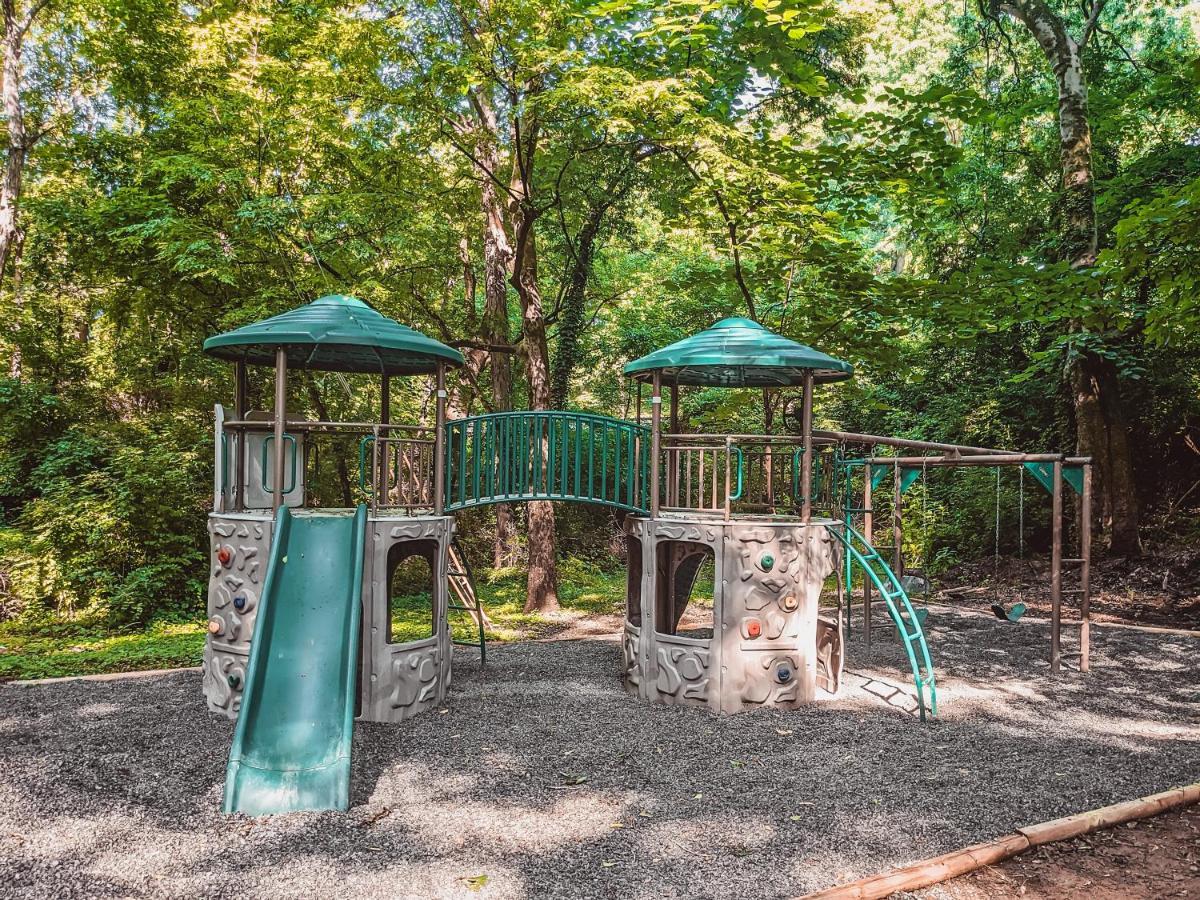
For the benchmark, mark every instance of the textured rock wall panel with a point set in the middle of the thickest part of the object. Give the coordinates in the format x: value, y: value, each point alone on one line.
x: 682, y: 671
x: 239, y: 552
x: 767, y: 648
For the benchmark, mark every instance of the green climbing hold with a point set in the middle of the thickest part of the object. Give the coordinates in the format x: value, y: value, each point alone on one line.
x: 235, y: 680
x: 767, y: 561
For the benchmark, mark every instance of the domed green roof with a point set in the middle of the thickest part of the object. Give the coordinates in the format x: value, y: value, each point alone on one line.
x: 739, y: 353
x: 336, y: 334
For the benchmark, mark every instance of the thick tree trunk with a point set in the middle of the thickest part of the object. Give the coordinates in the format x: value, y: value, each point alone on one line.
x: 1102, y: 430
x: 497, y: 256
x: 14, y: 164
x: 11, y: 236
x: 543, y: 567
x: 1097, y: 391
x: 542, y: 595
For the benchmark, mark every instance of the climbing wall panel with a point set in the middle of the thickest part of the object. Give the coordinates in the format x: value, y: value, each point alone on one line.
x: 239, y: 549
x: 768, y: 646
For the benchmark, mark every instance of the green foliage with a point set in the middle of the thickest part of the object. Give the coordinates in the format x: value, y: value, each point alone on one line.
x: 59, y: 651
x: 878, y: 180
x: 115, y: 529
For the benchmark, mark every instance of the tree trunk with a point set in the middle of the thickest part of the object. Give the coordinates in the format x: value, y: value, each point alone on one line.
x: 542, y: 595
x: 571, y: 324
x: 14, y: 163
x: 1102, y: 430
x: 1097, y: 391
x: 497, y: 256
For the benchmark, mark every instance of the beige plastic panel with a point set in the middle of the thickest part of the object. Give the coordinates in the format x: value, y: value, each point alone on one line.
x: 769, y: 646
x: 401, y: 680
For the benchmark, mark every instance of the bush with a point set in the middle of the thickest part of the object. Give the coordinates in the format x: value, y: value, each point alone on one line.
x: 116, y: 528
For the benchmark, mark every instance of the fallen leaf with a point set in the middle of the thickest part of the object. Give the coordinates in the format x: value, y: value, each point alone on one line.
x: 617, y: 825
x: 475, y: 882
x: 783, y: 731
x: 607, y: 864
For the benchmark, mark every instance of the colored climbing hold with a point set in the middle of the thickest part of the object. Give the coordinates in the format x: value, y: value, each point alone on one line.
x: 767, y: 561
x: 754, y: 628
x: 215, y: 625
x: 225, y: 556
x: 789, y: 602
x: 239, y: 602
x: 235, y: 680
x: 784, y: 675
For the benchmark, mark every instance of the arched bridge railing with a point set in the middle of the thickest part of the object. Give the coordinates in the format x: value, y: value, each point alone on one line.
x: 547, y: 456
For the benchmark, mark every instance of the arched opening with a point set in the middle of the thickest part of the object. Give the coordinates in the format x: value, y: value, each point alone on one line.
x: 633, y: 581
x: 412, y: 615
x: 683, y: 601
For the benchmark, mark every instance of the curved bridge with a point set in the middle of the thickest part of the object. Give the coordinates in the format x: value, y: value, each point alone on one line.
x: 548, y: 455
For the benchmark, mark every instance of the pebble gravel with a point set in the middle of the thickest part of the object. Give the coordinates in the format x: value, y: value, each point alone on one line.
x: 541, y: 778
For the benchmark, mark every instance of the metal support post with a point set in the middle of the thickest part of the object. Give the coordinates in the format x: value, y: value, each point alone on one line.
x: 280, y: 423
x: 1056, y: 540
x: 655, y: 441
x: 439, y: 444
x: 807, y: 438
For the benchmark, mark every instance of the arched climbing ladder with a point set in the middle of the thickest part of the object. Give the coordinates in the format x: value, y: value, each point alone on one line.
x: 908, y: 627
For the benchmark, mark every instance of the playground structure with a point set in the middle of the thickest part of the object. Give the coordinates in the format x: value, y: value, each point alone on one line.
x: 300, y: 640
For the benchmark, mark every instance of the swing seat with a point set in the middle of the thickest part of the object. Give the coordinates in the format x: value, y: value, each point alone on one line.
x: 1009, y: 615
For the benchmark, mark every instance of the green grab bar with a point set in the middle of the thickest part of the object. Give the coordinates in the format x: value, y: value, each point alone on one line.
x: 741, y: 465
x: 267, y: 443
x: 362, y: 461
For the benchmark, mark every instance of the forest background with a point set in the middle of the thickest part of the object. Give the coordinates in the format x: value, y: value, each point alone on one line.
x: 992, y: 209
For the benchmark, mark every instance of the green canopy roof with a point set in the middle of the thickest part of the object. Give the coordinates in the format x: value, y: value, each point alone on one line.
x: 739, y: 353
x: 336, y: 334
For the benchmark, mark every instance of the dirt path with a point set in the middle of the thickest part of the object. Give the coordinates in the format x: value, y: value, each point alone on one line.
x: 1154, y: 858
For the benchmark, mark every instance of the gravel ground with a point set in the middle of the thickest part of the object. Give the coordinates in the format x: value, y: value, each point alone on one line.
x: 543, y: 779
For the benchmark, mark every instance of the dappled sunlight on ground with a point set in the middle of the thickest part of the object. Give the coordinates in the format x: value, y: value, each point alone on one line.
x: 541, y: 776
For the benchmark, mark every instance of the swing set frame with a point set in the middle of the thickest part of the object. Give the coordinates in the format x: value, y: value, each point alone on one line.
x: 938, y: 455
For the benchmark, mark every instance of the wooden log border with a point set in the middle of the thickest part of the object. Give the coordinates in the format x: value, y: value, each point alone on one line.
x: 960, y: 862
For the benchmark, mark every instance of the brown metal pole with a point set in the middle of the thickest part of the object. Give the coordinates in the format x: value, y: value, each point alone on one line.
x: 728, y: 476
x: 673, y: 460
x: 239, y: 459
x: 439, y: 444
x: 806, y: 436
x: 655, y: 441
x: 280, y: 422
x: 897, y: 523
x: 1085, y: 569
x: 1056, y: 533
x: 856, y: 438
x: 385, y: 418
x: 869, y: 535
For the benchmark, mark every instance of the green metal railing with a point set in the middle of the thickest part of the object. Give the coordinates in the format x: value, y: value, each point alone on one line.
x: 551, y: 455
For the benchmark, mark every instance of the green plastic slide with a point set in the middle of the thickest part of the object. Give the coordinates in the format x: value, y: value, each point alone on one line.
x: 291, y: 749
